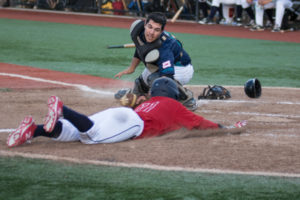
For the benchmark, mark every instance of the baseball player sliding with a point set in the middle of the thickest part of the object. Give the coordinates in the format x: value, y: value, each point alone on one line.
x: 162, y: 113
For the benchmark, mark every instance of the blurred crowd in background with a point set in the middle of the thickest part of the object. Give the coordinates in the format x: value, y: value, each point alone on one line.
x: 257, y: 15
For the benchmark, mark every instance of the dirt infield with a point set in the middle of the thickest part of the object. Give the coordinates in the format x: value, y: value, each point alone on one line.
x: 269, y: 144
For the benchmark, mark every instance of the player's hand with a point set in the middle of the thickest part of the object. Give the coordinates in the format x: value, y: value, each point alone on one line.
x: 126, y: 71
x: 140, y: 100
x: 120, y: 74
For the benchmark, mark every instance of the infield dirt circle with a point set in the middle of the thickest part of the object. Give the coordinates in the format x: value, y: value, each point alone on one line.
x: 269, y: 144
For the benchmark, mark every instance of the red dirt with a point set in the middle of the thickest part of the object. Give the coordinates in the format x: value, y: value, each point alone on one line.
x: 93, y: 81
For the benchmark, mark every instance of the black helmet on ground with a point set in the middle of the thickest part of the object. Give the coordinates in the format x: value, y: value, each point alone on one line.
x: 253, y: 88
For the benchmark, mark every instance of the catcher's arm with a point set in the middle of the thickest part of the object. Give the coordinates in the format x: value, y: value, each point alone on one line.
x: 134, y: 64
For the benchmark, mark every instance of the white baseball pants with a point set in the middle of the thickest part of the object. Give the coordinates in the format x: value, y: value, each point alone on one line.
x: 279, y: 5
x: 110, y: 126
x: 183, y: 74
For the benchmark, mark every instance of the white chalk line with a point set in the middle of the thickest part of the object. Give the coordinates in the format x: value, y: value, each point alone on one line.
x: 204, y: 101
x: 236, y: 86
x: 6, y: 130
x: 147, y: 166
x: 251, y: 114
x: 280, y: 135
x: 78, y: 86
x: 88, y: 89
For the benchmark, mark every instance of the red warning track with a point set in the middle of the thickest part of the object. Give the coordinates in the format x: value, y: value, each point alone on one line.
x: 125, y: 22
x: 9, y: 81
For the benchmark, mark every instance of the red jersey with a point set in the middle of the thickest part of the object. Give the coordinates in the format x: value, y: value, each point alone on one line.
x: 163, y: 114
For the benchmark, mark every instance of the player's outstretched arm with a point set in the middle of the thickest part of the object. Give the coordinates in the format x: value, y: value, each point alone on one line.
x: 134, y: 64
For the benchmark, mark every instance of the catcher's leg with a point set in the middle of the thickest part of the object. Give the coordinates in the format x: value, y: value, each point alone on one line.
x: 140, y: 87
x: 152, y: 77
x: 184, y: 74
x: 186, y: 97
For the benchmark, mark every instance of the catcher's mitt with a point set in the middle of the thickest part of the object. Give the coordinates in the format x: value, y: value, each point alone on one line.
x: 122, y: 92
x: 215, y: 92
x: 129, y: 100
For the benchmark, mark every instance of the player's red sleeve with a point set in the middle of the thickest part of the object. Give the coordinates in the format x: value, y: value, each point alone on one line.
x: 190, y: 120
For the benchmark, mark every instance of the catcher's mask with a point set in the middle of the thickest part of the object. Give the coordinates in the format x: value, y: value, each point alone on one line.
x: 253, y: 88
x: 164, y: 86
x: 215, y: 92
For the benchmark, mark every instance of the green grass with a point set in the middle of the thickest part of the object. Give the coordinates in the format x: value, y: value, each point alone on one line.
x: 38, y: 179
x: 64, y: 47
x: 5, y: 89
x: 82, y: 49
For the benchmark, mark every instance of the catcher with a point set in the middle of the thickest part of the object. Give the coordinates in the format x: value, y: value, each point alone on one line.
x: 160, y: 114
x: 162, y: 55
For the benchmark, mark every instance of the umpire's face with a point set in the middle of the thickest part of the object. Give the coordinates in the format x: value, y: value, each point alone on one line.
x: 152, y: 31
